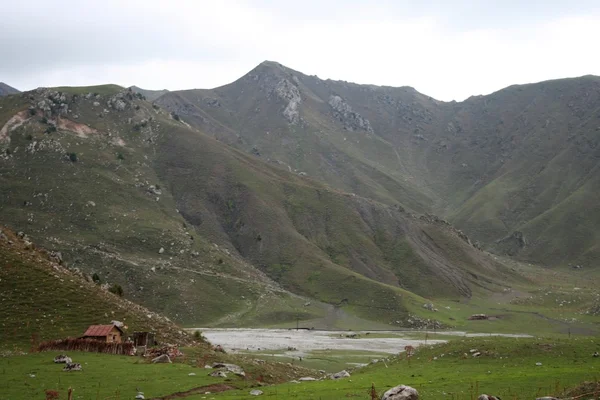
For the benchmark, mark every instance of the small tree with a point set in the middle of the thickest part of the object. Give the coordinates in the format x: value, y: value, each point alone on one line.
x: 116, y: 289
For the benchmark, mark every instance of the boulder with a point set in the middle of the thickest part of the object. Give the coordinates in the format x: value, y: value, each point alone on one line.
x: 340, y: 375
x: 487, y: 397
x: 236, y: 369
x: 307, y: 379
x: 256, y: 392
x: 62, y: 359
x: 162, y: 359
x: 72, y: 367
x: 401, y: 392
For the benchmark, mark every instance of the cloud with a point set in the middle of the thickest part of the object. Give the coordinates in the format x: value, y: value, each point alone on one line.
x: 446, y: 51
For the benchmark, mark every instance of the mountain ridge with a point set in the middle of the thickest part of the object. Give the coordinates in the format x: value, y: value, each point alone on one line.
x: 398, y: 145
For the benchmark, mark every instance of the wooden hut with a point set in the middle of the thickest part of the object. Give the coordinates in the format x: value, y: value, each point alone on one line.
x: 104, y: 333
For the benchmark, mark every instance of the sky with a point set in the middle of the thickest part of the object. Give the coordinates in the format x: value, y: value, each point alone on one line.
x: 449, y: 50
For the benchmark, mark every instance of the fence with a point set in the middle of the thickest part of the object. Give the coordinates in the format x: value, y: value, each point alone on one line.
x: 89, y: 345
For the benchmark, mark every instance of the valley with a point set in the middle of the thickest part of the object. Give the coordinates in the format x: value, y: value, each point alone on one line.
x: 304, y: 225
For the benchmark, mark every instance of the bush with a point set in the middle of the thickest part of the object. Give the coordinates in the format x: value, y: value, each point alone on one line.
x: 120, y: 156
x: 200, y: 337
x: 72, y: 157
x: 32, y: 111
x: 29, y: 137
x: 50, y: 129
x: 116, y: 289
x: 175, y: 116
x: 96, y: 278
x: 44, y: 120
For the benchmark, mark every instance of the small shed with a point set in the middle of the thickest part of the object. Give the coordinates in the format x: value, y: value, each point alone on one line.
x: 104, y: 333
x: 144, y: 339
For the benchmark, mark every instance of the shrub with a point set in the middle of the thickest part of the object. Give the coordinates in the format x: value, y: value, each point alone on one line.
x: 72, y: 157
x: 32, y: 111
x: 175, y: 116
x: 200, y: 337
x: 116, y: 289
x: 44, y: 120
x: 29, y: 137
x: 120, y: 156
x: 96, y: 278
x: 50, y: 129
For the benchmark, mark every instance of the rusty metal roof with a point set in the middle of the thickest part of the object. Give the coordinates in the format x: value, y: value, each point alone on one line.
x: 100, y: 330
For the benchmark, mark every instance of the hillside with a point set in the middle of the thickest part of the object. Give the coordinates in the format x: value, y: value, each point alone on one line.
x: 207, y: 234
x: 515, y: 169
x: 150, y: 95
x: 43, y: 300
x: 6, y: 90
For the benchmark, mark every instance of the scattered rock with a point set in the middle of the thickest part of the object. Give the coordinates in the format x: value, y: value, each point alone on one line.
x: 401, y: 392
x: 236, y: 369
x: 487, y: 397
x: 72, y: 367
x: 162, y: 359
x: 256, y: 392
x: 62, y: 359
x: 340, y: 375
x: 477, y: 354
x: 477, y: 317
x: 140, y: 396
x: 161, y: 250
x: 192, y: 374
x: 218, y: 374
x: 307, y: 379
x: 538, y: 364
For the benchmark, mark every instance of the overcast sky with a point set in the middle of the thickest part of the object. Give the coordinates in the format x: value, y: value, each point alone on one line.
x: 445, y: 49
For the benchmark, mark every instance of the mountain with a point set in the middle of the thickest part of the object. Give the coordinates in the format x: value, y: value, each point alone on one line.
x: 516, y: 170
x: 208, y: 234
x: 6, y: 90
x: 42, y: 299
x: 150, y: 95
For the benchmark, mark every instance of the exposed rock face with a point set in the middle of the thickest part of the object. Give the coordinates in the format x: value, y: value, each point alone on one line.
x: 401, y: 392
x: 289, y: 92
x: 343, y: 112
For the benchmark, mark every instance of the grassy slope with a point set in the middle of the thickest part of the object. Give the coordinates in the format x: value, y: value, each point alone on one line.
x: 506, y: 369
x: 42, y: 300
x: 99, y: 213
x: 521, y: 159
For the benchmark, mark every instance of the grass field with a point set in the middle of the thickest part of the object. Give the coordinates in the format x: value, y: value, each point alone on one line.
x: 506, y: 368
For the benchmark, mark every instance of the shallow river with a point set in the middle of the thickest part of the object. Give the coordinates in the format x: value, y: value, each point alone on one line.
x: 308, y: 340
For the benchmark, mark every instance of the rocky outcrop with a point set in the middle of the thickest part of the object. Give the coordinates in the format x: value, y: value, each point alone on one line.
x: 343, y: 112
x: 289, y: 92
